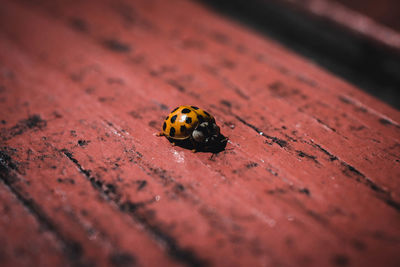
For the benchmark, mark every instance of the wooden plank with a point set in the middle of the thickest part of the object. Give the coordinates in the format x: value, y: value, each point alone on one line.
x: 31, y: 243
x: 386, y: 12
x: 86, y: 92
x: 71, y: 207
x: 377, y: 22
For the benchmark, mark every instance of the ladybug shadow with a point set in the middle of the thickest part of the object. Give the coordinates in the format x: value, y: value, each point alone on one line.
x: 217, y: 146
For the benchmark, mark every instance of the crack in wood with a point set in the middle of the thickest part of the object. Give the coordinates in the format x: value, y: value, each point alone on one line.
x: 383, y: 119
x: 276, y: 140
x: 71, y: 248
x: 382, y: 193
x: 183, y: 255
x: 362, y: 178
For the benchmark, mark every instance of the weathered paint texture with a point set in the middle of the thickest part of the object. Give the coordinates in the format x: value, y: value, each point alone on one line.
x: 309, y: 177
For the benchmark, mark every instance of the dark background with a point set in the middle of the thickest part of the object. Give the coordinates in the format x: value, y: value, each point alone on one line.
x: 369, y: 65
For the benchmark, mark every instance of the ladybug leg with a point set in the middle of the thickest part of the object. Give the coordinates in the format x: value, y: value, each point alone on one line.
x: 194, y: 150
x: 225, y: 139
x: 160, y: 134
x: 212, y: 156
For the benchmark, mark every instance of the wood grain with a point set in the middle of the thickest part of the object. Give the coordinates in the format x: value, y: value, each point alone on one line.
x: 310, y: 176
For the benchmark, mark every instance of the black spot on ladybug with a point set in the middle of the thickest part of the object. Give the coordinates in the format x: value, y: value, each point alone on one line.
x: 183, y: 128
x: 164, y: 126
x: 167, y: 118
x: 188, y: 120
x: 174, y: 109
x: 205, y: 112
x: 173, y: 118
x: 185, y: 110
x: 200, y: 118
x: 172, y: 132
x: 194, y: 107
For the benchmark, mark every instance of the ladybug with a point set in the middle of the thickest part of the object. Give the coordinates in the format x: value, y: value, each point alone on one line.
x: 190, y: 123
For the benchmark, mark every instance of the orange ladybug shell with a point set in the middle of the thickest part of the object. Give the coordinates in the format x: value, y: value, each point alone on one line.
x: 183, y: 120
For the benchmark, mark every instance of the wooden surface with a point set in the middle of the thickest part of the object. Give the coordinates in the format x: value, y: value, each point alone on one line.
x: 385, y: 11
x: 310, y: 176
x: 377, y: 22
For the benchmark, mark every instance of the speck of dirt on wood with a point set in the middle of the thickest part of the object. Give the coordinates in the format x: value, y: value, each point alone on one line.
x: 229, y: 64
x: 359, y: 245
x: 73, y: 250
x: 305, y: 155
x: 385, y: 121
x: 176, y: 85
x: 226, y: 103
x: 276, y: 191
x: 179, y: 187
x: 135, y: 114
x: 66, y: 180
x: 122, y: 259
x: 83, y: 142
x: 331, y: 156
x: 129, y: 206
x: 116, y: 46
x: 154, y: 124
x: 341, y: 260
x: 111, y: 188
x: 274, y: 173
x: 220, y: 38
x: 126, y: 12
x: 280, y: 142
x: 57, y: 115
x: 141, y: 184
x: 6, y: 161
x: 32, y: 122
x: 305, y: 191
x: 163, y: 106
x: 251, y: 165
x: 79, y: 24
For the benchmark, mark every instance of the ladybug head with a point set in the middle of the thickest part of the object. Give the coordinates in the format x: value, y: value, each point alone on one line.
x: 206, y: 132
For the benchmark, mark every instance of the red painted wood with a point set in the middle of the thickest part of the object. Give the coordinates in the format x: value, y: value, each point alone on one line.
x: 25, y: 237
x: 375, y: 21
x: 309, y: 177
x: 386, y: 12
